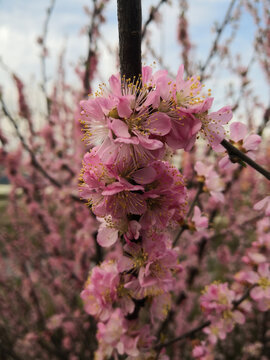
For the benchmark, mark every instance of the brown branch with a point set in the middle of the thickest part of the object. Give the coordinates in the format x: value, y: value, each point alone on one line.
x: 233, y: 153
x: 266, y: 118
x: 188, y: 334
x: 129, y: 28
x: 41, y: 318
x: 184, y: 227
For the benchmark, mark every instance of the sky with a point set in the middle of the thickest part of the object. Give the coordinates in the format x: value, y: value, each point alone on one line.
x: 21, y: 22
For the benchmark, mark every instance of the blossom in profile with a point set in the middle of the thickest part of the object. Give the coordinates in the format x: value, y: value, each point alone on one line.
x: 200, y: 222
x: 212, y: 124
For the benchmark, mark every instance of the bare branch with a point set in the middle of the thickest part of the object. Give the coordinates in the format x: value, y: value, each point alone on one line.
x: 218, y: 35
x: 235, y: 153
x: 44, y: 50
x: 129, y: 27
x: 151, y: 16
x: 191, y: 333
x: 35, y: 162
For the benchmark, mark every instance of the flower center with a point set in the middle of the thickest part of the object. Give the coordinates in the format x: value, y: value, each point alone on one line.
x: 264, y: 283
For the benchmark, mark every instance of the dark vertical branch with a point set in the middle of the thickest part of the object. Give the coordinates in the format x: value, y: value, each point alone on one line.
x: 130, y: 34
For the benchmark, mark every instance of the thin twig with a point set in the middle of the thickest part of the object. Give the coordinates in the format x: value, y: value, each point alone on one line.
x: 151, y: 16
x: 235, y: 153
x: 41, y: 319
x: 35, y: 162
x: 218, y: 35
x: 188, y: 334
x: 43, y: 55
x: 184, y: 227
x: 86, y: 79
x: 191, y: 333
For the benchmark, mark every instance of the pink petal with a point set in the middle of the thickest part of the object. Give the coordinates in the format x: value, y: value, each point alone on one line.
x: 145, y: 175
x: 107, y: 236
x: 251, y: 277
x: 135, y: 204
x: 263, y: 270
x: 91, y: 106
x: 159, y: 124
x: 217, y: 196
x: 113, y: 189
x: 238, y: 131
x: 239, y: 317
x: 257, y: 293
x: 218, y: 148
x: 215, y: 134
x: 267, y: 210
x: 261, y: 204
x: 150, y: 144
x: 252, y: 142
x: 120, y: 128
x: 115, y: 84
x: 124, y: 264
x: 179, y: 77
x: 146, y: 74
x: 132, y: 140
x: 153, y: 99
x: 201, y: 169
x: 222, y: 116
x: 123, y: 107
x: 225, y: 162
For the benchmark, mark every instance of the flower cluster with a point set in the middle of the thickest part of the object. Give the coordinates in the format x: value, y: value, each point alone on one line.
x: 257, y: 270
x: 217, y: 302
x: 138, y: 196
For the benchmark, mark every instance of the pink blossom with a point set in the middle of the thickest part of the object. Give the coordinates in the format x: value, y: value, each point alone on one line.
x: 185, y: 128
x: 127, y: 114
x: 217, y: 298
x: 200, y: 222
x: 113, y: 335
x: 153, y: 263
x: 212, y: 124
x: 215, y: 331
x: 246, y: 143
x: 165, y: 194
x: 201, y: 351
x: 101, y: 290
x: 213, y: 182
x: 160, y: 307
x: 262, y: 279
x: 238, y: 134
x: 188, y: 92
x: 107, y: 192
